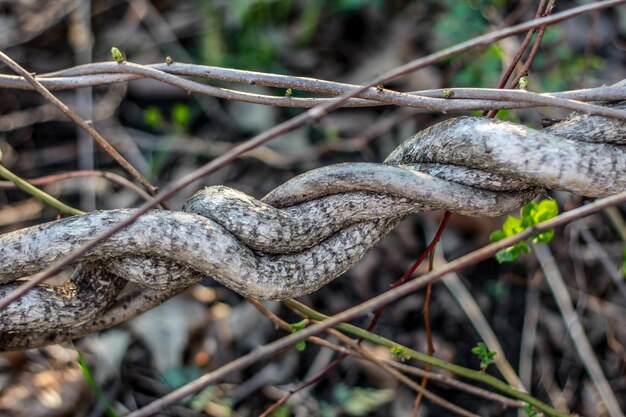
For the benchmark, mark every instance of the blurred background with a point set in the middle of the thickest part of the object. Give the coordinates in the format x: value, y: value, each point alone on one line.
x: 166, y: 133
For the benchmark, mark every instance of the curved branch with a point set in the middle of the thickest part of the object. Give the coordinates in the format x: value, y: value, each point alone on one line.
x: 431, y: 100
x: 313, y: 228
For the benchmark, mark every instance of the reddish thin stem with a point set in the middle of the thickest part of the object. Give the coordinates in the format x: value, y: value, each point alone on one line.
x: 413, y: 267
x: 266, y: 351
x: 429, y: 250
x: 312, y: 380
x: 531, y: 56
x: 518, y: 55
x: 535, y: 48
x: 429, y: 336
x: 309, y: 116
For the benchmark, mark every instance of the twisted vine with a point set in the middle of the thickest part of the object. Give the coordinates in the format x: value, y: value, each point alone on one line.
x: 306, y: 232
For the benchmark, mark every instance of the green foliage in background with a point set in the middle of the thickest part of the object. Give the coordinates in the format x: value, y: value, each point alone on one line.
x: 531, y: 214
x: 253, y: 34
x: 557, y: 66
x: 560, y: 65
x: 181, y: 116
x: 175, y: 122
x: 95, y: 386
x: 360, y: 401
x: 460, y: 21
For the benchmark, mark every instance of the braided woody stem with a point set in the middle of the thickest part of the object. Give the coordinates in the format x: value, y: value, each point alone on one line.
x: 306, y: 232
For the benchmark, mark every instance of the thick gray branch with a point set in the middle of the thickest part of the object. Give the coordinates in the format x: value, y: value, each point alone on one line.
x: 307, y: 231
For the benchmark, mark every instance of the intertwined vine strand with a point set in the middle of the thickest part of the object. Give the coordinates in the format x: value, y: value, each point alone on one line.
x: 430, y: 100
x: 308, y: 231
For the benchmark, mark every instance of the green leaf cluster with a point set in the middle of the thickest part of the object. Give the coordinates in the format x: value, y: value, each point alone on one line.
x: 485, y: 355
x: 255, y: 34
x: 400, y: 352
x: 530, y: 215
x: 180, y: 120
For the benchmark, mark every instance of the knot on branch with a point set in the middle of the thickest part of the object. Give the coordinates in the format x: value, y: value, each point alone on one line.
x: 306, y: 232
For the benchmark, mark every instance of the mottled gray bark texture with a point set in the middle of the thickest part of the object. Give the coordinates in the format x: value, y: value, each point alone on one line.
x: 306, y: 232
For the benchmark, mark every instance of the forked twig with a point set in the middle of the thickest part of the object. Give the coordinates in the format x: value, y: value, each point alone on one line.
x: 85, y: 125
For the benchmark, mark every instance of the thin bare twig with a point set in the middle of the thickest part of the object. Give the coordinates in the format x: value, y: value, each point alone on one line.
x: 409, y: 273
x: 535, y: 49
x: 360, y: 352
x: 85, y: 125
x: 436, y: 399
x: 576, y: 331
x: 313, y: 115
x: 111, y: 176
x: 270, y: 349
x: 520, y: 52
x: 309, y: 116
x: 430, y: 100
x: 533, y: 52
x: 522, y: 48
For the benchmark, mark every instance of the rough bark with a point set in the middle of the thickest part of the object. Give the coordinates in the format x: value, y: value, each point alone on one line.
x: 307, y: 231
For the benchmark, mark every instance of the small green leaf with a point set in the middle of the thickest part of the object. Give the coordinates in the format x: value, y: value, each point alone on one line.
x: 299, y: 325
x: 296, y: 327
x: 523, y: 83
x: 545, y: 210
x: 485, y: 355
x: 497, y: 235
x: 448, y: 93
x: 526, y: 214
x: 507, y: 255
x: 512, y: 252
x: 522, y: 247
x: 530, y: 411
x: 531, y: 214
x: 512, y: 226
x: 400, y: 352
x: 117, y: 55
x: 527, y: 209
x: 288, y: 92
